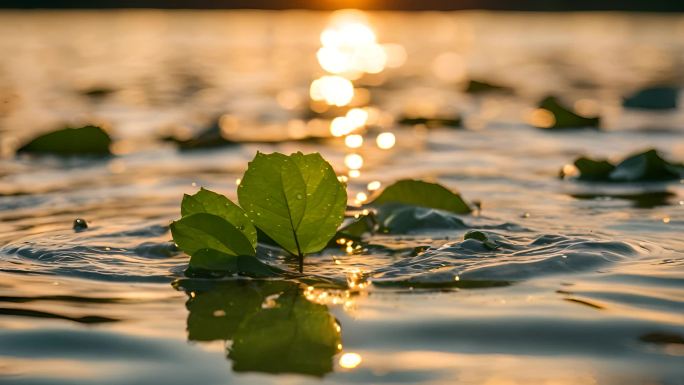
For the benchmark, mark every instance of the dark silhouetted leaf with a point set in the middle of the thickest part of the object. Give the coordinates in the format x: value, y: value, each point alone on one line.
x: 648, y: 165
x: 87, y: 140
x: 591, y: 169
x: 477, y: 87
x: 654, y: 98
x: 566, y: 118
x: 644, y: 166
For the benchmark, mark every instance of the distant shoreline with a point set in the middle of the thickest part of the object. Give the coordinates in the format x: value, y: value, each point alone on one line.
x: 399, y: 5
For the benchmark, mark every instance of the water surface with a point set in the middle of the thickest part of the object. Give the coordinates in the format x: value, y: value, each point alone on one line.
x: 586, y: 288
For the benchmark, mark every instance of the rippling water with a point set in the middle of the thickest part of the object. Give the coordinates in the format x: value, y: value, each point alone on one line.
x: 587, y: 286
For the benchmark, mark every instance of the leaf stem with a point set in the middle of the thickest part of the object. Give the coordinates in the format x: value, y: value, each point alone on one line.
x: 299, y: 251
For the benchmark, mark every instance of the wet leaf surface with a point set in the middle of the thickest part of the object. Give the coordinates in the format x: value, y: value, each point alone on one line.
x: 201, y: 231
x: 206, y: 201
x: 296, y: 200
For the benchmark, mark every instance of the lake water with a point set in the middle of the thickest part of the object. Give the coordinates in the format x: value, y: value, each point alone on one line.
x: 587, y: 288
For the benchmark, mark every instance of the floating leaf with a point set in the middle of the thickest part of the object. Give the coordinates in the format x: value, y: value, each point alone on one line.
x: 591, y: 169
x: 644, y: 166
x: 424, y: 194
x: 564, y: 117
x: 291, y: 336
x: 87, y: 140
x: 206, y: 201
x: 654, y: 98
x: 296, y: 200
x: 200, y: 231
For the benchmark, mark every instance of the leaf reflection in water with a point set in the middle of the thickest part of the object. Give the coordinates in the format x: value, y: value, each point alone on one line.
x: 273, y: 327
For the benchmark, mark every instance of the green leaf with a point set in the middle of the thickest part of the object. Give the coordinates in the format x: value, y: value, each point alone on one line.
x: 216, y: 261
x: 591, y: 169
x: 424, y: 194
x: 206, y: 231
x: 564, y: 117
x: 206, y: 201
x: 292, y: 336
x: 87, y: 140
x: 296, y: 200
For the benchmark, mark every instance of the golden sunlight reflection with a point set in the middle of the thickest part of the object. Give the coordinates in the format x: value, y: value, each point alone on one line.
x: 374, y: 185
x: 350, y: 48
x: 330, y: 297
x: 333, y: 90
x: 353, y: 141
x: 350, y: 360
x: 386, y: 140
x: 340, y: 126
x: 350, y: 52
x: 353, y: 161
x: 357, y: 117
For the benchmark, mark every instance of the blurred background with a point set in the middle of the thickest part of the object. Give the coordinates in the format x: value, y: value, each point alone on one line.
x: 489, y: 100
x: 444, y: 5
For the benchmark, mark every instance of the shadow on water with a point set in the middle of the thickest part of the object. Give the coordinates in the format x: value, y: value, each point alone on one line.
x: 641, y: 200
x: 91, y: 319
x: 273, y: 326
